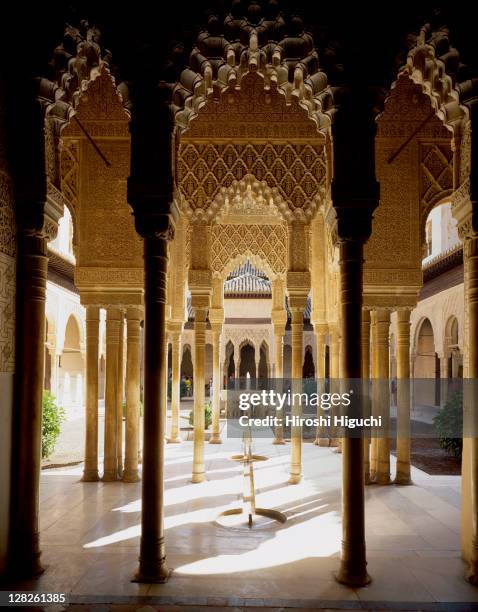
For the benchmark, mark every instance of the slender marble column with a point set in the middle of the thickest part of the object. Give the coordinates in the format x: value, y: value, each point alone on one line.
x: 335, y: 374
x: 216, y: 382
x: 152, y: 558
x: 279, y: 373
x: 297, y: 328
x: 383, y: 366
x: 375, y: 397
x: 24, y: 539
x: 471, y: 305
x: 403, y: 398
x: 321, y: 437
x: 119, y: 401
x: 133, y: 363
x: 366, y: 377
x: 113, y: 318
x: 90, y: 471
x: 353, y: 568
x: 199, y: 396
x: 174, y: 437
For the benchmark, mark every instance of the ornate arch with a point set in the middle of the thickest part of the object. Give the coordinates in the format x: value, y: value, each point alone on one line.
x: 264, y: 245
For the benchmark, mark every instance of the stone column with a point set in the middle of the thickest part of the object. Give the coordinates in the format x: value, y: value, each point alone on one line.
x: 335, y: 373
x: 174, y: 437
x: 279, y: 373
x: 152, y: 558
x: 470, y: 442
x: 279, y: 322
x: 375, y: 397
x: 90, y: 471
x: 257, y: 357
x: 133, y: 362
x: 320, y: 334
x: 383, y: 367
x: 297, y: 306
x: 403, y: 398
x: 366, y: 377
x: 120, y: 393
x: 113, y: 323
x: 200, y: 315
x: 216, y: 382
x: 334, y: 355
x: 24, y: 547
x: 353, y: 569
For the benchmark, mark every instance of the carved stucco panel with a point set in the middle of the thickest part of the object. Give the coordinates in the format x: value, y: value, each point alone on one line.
x: 107, y: 234
x: 394, y: 242
x: 7, y: 313
x: 297, y: 171
x: 266, y: 243
x: 7, y: 216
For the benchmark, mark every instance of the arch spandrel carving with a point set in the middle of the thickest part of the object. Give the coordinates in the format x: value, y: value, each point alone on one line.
x: 297, y: 172
x: 109, y: 251
x: 254, y: 111
x: 414, y: 164
x: 267, y: 243
x: 100, y: 109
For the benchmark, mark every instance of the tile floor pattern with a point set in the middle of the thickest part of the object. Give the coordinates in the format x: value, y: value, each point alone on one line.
x: 90, y: 537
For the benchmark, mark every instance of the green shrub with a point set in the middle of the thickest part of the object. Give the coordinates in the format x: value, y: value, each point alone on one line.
x: 207, y: 415
x: 448, y: 422
x: 183, y: 390
x: 52, y: 417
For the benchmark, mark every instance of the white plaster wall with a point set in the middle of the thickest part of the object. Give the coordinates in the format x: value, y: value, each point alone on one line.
x: 251, y: 308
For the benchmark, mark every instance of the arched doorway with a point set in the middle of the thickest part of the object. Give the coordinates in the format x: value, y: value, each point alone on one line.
x: 287, y: 361
x: 187, y: 370
x: 426, y: 366
x: 247, y: 363
x: 308, y: 368
x: 71, y: 373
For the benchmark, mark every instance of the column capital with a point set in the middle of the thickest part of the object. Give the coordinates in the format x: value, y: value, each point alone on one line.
x: 320, y: 328
x: 135, y: 313
x: 200, y: 301
x: 175, y: 327
x: 353, y: 211
x: 298, y: 282
x: 216, y: 317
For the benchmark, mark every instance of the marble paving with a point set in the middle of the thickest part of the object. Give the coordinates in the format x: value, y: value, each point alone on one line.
x: 90, y: 535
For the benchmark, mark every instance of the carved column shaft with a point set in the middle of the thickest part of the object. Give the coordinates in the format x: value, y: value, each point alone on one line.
x: 152, y: 559
x: 90, y: 471
x: 365, y: 377
x: 353, y: 569
x: 199, y: 395
x: 174, y: 437
x: 375, y: 398
x: 471, y: 419
x: 24, y: 544
x: 383, y: 367
x: 119, y: 401
x: 297, y: 329
x: 113, y: 316
x: 216, y: 397
x: 279, y: 373
x: 321, y: 436
x: 403, y: 398
x: 133, y: 364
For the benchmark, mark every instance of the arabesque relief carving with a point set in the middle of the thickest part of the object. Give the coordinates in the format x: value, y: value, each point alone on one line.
x: 268, y: 242
x: 414, y: 165
x: 296, y: 171
x: 109, y: 252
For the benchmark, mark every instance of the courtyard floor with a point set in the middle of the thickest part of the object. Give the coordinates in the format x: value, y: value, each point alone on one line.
x: 90, y: 537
